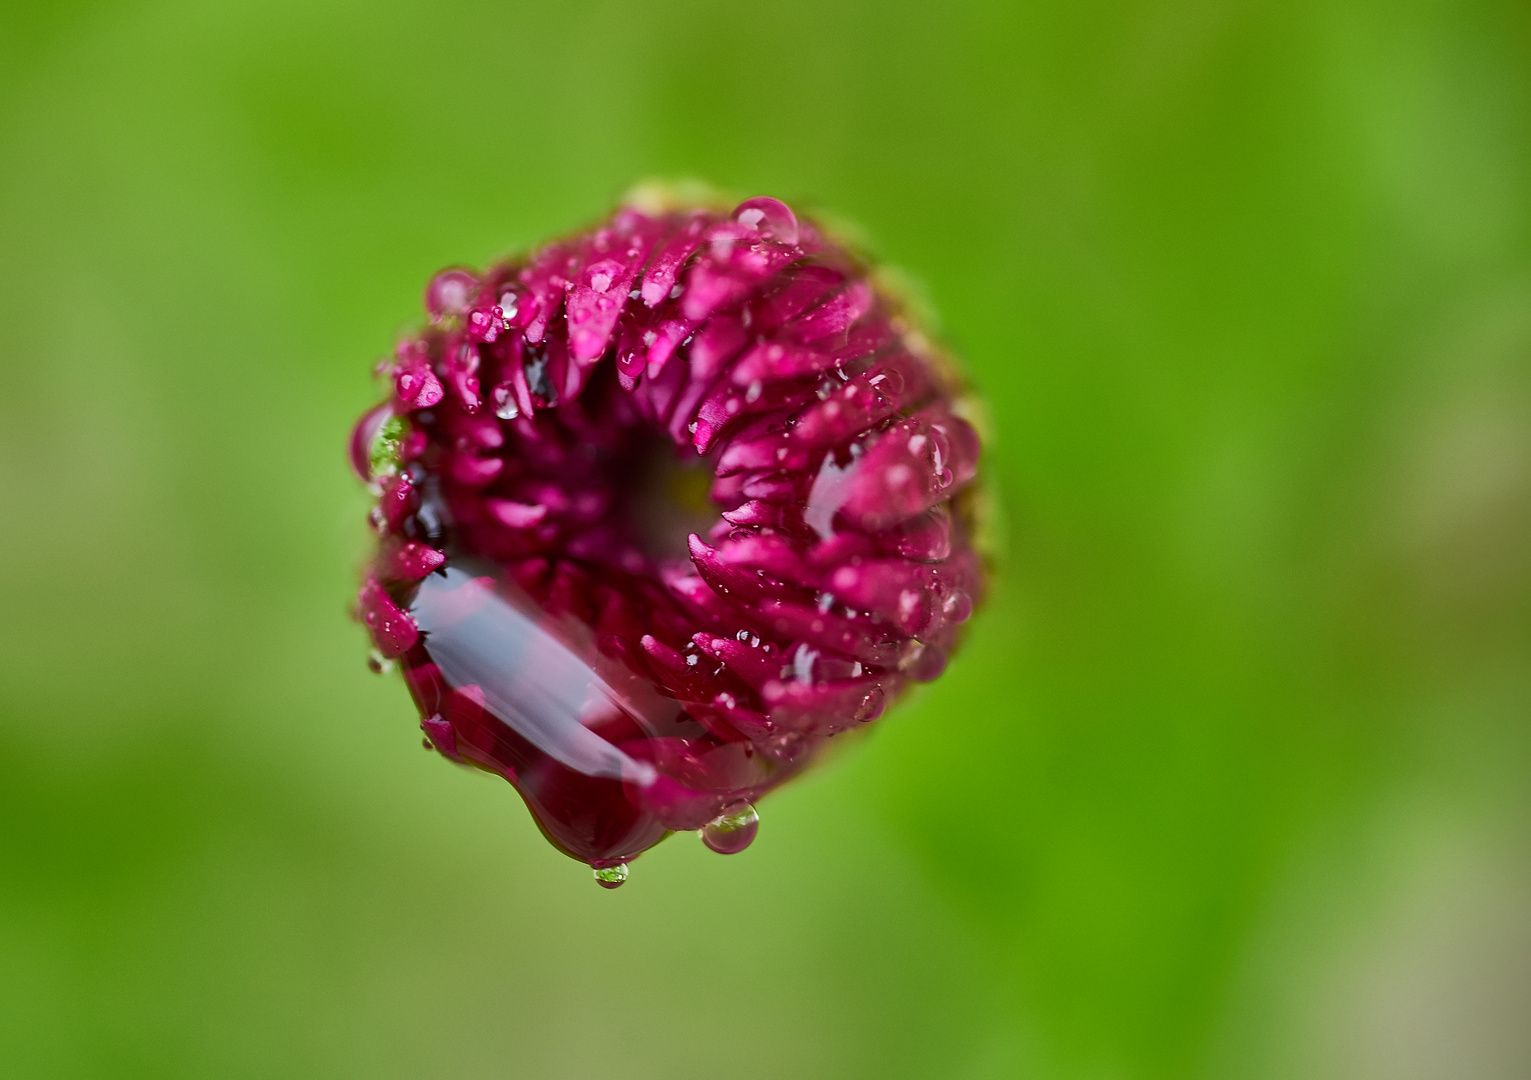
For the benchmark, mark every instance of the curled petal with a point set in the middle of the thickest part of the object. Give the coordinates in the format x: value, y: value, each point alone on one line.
x: 393, y: 631
x: 912, y: 467
x: 825, y: 708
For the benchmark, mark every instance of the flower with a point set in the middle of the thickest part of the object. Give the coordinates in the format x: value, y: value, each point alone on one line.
x: 662, y: 506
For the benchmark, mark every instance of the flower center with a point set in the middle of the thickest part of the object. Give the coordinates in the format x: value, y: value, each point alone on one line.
x: 668, y: 499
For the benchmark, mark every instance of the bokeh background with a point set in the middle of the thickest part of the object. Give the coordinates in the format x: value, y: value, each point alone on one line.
x: 1232, y: 778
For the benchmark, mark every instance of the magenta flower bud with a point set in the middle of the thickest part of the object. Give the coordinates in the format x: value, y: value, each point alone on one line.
x: 662, y: 506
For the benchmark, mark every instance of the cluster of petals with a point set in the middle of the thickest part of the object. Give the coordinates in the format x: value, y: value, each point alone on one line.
x: 628, y: 681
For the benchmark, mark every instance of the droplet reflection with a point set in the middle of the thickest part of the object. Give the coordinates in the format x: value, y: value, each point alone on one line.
x: 611, y: 877
x: 732, y: 831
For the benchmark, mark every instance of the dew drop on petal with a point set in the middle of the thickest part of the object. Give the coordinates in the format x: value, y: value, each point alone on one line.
x: 871, y: 706
x: 733, y: 830
x: 958, y: 606
x: 922, y: 662
x: 772, y: 217
x: 450, y: 292
x: 503, y: 397
x: 611, y: 877
x: 379, y: 664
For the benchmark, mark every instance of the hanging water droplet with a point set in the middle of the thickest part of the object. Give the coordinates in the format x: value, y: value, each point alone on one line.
x: 733, y: 830
x: 503, y: 397
x: 611, y: 877
x: 378, y: 664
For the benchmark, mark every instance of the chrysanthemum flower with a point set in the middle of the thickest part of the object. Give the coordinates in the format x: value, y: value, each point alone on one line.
x: 662, y: 506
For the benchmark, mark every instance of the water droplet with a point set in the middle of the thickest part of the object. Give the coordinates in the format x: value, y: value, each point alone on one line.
x: 611, y: 877
x: 771, y: 217
x: 871, y: 706
x: 958, y: 606
x: 378, y: 664
x: 383, y: 449
x: 921, y: 662
x: 733, y: 830
x: 785, y: 746
x: 450, y: 292
x: 504, y: 398
x: 539, y: 381
x: 363, y: 437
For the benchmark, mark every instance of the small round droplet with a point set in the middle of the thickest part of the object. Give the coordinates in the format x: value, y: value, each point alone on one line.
x: 771, y: 217
x: 450, y: 292
x: 958, y: 606
x: 784, y: 746
x: 611, y: 877
x: 922, y: 662
x: 504, y: 398
x: 378, y: 664
x: 871, y: 706
x: 733, y: 830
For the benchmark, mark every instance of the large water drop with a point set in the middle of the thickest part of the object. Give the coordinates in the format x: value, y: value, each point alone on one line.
x: 733, y: 830
x: 611, y: 877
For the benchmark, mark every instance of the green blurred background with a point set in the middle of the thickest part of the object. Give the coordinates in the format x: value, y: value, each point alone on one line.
x: 1232, y: 778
